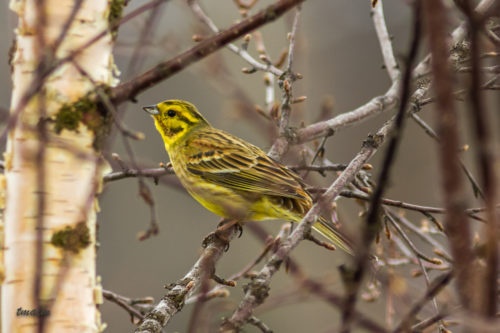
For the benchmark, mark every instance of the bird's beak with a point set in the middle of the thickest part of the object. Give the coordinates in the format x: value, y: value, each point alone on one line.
x: 152, y: 110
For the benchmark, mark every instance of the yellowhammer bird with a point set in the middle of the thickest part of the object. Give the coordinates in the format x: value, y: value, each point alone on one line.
x: 229, y: 176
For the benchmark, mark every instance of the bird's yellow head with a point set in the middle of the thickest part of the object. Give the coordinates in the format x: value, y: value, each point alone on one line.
x: 175, y: 119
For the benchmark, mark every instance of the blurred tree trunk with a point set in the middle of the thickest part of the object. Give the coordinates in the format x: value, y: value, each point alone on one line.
x: 63, y: 201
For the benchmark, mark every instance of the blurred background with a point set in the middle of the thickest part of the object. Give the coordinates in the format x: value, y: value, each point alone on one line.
x: 338, y: 55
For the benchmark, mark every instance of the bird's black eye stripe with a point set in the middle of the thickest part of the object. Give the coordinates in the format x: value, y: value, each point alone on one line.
x: 171, y: 113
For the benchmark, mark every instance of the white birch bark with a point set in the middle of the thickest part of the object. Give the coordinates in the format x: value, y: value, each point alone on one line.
x: 69, y: 284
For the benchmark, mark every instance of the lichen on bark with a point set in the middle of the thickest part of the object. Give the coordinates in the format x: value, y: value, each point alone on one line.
x: 88, y: 112
x: 72, y: 239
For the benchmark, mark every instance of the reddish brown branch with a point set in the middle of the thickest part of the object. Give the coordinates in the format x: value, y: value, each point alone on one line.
x: 130, y: 89
x: 488, y: 294
x: 457, y: 224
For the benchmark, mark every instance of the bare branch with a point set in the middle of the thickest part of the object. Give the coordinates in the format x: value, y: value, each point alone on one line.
x: 385, y: 42
x: 435, y: 288
x: 128, y: 173
x: 281, y: 144
x: 132, y: 88
x: 135, y: 307
x: 256, y: 65
x: 41, y: 181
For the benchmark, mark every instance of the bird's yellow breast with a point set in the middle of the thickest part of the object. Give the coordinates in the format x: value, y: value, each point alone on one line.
x: 222, y: 201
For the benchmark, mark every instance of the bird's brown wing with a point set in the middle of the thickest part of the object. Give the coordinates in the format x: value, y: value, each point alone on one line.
x: 226, y: 160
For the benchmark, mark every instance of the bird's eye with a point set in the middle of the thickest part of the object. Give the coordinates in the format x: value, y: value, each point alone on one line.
x: 171, y: 113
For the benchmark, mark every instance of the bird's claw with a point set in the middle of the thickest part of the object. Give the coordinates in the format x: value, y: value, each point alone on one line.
x: 239, y: 228
x: 226, y: 224
x: 222, y: 233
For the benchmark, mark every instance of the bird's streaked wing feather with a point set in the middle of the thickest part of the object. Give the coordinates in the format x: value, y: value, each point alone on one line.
x: 228, y: 163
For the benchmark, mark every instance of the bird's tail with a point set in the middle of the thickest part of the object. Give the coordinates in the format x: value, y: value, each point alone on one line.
x: 328, y: 230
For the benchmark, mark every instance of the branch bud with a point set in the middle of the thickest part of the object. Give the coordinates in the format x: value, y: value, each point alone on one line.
x: 197, y: 38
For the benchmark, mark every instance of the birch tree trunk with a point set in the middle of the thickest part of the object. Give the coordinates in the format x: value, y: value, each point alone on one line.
x: 69, y: 288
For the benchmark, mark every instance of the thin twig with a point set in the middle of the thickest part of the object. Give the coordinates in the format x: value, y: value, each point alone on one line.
x: 420, y: 326
x: 385, y: 40
x: 280, y: 145
x: 436, y: 286
x: 319, y: 151
x: 417, y: 252
x: 256, y: 65
x: 319, y: 168
x: 128, y: 304
x: 406, y: 205
x: 259, y: 324
x: 422, y: 235
x: 132, y: 173
x: 475, y: 186
x: 41, y: 182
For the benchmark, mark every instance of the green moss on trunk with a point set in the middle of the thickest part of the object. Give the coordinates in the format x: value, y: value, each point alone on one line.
x: 90, y: 113
x: 72, y: 239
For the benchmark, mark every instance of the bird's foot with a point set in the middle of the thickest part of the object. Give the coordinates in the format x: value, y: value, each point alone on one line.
x: 226, y: 224
x: 223, y: 233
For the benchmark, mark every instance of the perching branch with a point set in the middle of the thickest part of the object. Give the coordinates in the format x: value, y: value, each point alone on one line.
x: 178, y: 292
